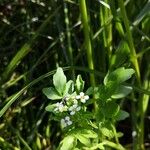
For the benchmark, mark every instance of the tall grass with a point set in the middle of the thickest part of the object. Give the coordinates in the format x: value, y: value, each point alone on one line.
x: 87, y: 43
x: 85, y: 37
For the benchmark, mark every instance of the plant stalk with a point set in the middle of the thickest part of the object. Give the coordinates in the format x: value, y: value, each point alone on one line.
x: 70, y: 50
x: 130, y: 40
x: 138, y: 142
x: 105, y: 14
x: 86, y: 30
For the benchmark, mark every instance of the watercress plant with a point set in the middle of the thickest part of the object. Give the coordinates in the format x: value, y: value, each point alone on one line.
x: 72, y: 107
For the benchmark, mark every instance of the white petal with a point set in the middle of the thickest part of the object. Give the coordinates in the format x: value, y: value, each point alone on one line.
x: 62, y: 120
x: 81, y: 94
x: 57, y: 104
x: 78, y: 108
x: 83, y: 100
x: 86, y: 97
x: 61, y: 109
x: 72, y: 112
x: 67, y: 118
x: 78, y: 97
x: 56, y: 109
x: 75, y: 106
x: 61, y: 105
x: 63, y: 123
x: 69, y: 122
x: 134, y: 133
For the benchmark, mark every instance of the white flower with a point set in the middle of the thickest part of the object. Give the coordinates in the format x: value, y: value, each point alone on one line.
x: 134, y: 133
x: 82, y: 97
x: 60, y: 107
x: 35, y: 19
x: 66, y: 122
x: 74, y: 108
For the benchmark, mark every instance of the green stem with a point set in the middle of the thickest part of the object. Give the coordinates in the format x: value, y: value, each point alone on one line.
x: 113, y: 145
x: 23, y: 141
x: 105, y: 14
x: 143, y: 105
x: 86, y: 29
x: 115, y: 133
x: 138, y: 143
x: 70, y: 51
x: 130, y: 39
x: 118, y: 24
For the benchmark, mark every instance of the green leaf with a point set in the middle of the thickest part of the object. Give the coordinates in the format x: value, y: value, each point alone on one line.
x: 68, y: 143
x: 88, y: 133
x: 69, y: 88
x: 79, y: 84
x: 90, y: 91
x: 107, y: 132
x: 122, y: 115
x: 106, y: 129
x: 110, y: 89
x: 145, y: 11
x: 110, y: 109
x: 105, y: 92
x: 50, y: 107
x: 84, y: 140
x: 18, y: 94
x: 119, y: 134
x: 59, y: 81
x: 101, y: 147
x: 122, y: 91
x: 119, y: 75
x: 120, y: 55
x: 93, y: 124
x: 51, y: 93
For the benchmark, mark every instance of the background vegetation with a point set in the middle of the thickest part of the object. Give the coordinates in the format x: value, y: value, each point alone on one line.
x: 87, y: 37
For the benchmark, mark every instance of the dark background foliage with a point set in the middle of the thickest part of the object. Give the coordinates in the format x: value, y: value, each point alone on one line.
x: 35, y: 40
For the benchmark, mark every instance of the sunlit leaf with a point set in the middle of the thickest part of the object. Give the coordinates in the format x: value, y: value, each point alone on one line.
x: 79, y: 84
x: 84, y: 140
x: 106, y: 129
x: 50, y: 108
x: 51, y: 93
x: 119, y: 75
x: 69, y: 87
x: 88, y: 133
x: 68, y: 143
x: 122, y: 115
x: 121, y: 54
x: 59, y: 81
x: 122, y: 91
x: 110, y: 109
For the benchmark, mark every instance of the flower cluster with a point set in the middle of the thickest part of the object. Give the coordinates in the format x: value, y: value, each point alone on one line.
x: 71, y: 105
x: 60, y: 107
x: 66, y: 122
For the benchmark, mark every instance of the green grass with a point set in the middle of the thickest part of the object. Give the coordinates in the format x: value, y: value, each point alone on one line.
x: 84, y: 37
